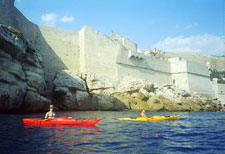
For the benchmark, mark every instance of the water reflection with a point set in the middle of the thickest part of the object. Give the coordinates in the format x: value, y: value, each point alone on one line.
x: 64, y: 138
x: 58, y: 126
x: 191, y: 133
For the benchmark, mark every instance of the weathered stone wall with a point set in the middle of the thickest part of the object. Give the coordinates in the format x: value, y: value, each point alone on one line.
x: 65, y: 44
x: 215, y: 62
x: 181, y: 81
x: 98, y: 53
x: 191, y: 76
x: 158, y: 78
x: 196, y: 68
x: 219, y: 92
x: 179, y: 65
x: 103, y: 55
x: 60, y: 49
x: 128, y: 44
x: 179, y: 73
x: 137, y: 65
x: 199, y: 80
x: 201, y: 85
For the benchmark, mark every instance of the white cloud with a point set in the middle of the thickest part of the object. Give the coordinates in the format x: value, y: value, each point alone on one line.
x: 49, y: 19
x: 177, y: 26
x: 205, y: 44
x: 67, y: 19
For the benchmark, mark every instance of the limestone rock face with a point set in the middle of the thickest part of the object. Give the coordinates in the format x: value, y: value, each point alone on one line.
x: 36, y: 81
x: 11, y: 97
x: 75, y: 91
x: 155, y: 105
x: 128, y: 84
x: 82, y: 97
x: 34, y: 102
x: 106, y: 103
x: 12, y: 67
x: 70, y: 91
x: 70, y: 79
x: 136, y: 96
x: 21, y: 74
x: 64, y: 99
x: 98, y: 83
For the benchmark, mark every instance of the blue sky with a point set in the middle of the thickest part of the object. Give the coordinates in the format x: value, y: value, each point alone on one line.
x: 180, y: 25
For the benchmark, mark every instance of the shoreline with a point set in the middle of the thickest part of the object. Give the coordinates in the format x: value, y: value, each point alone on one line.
x: 138, y: 111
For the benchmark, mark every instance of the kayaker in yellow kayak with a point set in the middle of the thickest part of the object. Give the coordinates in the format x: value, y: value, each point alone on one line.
x: 143, y: 114
x: 50, y: 114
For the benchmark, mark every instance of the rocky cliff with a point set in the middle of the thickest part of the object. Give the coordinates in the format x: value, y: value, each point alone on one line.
x: 21, y: 76
x: 11, y: 16
x: 74, y: 91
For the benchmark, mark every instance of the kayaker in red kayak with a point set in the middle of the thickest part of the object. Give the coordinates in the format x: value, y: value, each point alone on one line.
x: 50, y: 114
x: 143, y: 114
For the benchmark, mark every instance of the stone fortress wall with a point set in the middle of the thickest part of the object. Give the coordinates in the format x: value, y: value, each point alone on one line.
x: 191, y: 76
x: 65, y: 44
x: 213, y: 61
x: 89, y: 51
x: 98, y: 53
x: 117, y: 57
x: 135, y: 64
x: 219, y: 92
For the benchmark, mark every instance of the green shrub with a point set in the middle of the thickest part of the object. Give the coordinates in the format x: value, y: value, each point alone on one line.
x: 217, y: 74
x: 15, y: 31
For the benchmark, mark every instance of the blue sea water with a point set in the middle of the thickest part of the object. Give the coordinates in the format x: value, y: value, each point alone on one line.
x: 194, y: 132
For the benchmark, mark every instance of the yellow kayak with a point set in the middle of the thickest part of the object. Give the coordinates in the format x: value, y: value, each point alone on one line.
x: 153, y: 118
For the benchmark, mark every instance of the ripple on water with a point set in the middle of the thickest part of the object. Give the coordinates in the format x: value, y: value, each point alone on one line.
x: 194, y: 132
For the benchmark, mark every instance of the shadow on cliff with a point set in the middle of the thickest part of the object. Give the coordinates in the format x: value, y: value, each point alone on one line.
x: 52, y: 64
x: 95, y: 102
x: 106, y: 102
x: 72, y: 92
x: 11, y: 16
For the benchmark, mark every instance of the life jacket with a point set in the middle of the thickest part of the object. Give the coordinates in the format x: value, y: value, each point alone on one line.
x: 51, y: 115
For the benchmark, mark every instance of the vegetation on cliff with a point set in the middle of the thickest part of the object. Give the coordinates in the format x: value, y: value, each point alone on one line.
x: 220, y: 75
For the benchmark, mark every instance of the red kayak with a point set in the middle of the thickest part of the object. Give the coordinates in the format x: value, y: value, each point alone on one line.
x: 62, y: 121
